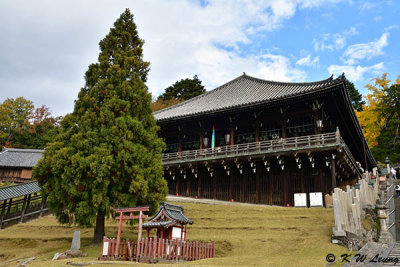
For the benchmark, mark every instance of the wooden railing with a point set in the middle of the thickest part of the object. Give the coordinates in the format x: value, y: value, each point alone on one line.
x: 255, y: 148
x: 17, y: 210
x: 156, y: 249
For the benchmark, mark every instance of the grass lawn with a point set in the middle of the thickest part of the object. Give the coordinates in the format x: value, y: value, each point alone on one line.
x: 244, y: 235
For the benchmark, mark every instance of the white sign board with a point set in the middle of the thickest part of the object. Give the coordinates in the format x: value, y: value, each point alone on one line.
x: 105, y: 248
x: 300, y: 200
x: 176, y: 232
x: 316, y: 199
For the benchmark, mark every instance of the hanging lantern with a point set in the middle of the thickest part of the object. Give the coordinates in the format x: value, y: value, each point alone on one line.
x: 319, y: 124
x: 227, y: 139
x: 205, y: 141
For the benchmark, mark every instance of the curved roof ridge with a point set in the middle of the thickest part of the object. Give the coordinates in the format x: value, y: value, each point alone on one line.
x: 200, y: 96
x: 290, y: 83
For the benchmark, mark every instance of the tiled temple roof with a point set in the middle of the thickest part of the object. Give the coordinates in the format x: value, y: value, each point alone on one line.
x: 22, y: 158
x: 242, y: 92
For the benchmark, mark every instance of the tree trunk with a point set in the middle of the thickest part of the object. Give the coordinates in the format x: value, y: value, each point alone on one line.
x: 99, y: 232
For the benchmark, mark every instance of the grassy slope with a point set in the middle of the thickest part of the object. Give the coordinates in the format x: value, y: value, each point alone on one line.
x: 267, y: 236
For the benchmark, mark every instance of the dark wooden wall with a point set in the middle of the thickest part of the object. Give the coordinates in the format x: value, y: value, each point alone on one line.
x: 273, y: 187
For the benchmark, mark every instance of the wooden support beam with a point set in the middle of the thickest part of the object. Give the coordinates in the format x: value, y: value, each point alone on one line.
x: 24, y: 207
x: 333, y: 173
x: 44, y: 199
x: 285, y: 188
x: 199, y: 180
x: 232, y: 141
x: 214, y: 185
x: 201, y: 141
x: 257, y: 186
x: 9, y: 207
x: 176, y: 185
x: 180, y: 141
x: 3, y: 209
x: 315, y: 115
x: 283, y: 126
x: 187, y: 186
x: 257, y: 134
x: 271, y: 183
x: 231, y: 186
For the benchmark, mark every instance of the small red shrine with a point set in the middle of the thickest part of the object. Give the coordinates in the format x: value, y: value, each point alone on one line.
x: 170, y: 222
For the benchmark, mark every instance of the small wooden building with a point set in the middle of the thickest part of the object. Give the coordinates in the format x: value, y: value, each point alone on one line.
x: 16, y: 164
x: 259, y: 141
x: 170, y: 222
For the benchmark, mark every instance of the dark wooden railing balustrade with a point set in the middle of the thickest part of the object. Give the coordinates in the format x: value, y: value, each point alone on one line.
x: 254, y: 148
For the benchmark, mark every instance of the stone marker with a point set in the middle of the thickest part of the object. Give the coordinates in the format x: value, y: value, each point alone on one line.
x: 76, y: 241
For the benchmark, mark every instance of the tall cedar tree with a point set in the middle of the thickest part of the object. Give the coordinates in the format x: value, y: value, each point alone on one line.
x: 355, y: 96
x: 108, y: 153
x: 183, y: 89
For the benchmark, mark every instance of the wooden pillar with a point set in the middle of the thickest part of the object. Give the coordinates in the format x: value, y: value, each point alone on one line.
x: 315, y: 115
x: 24, y: 207
x: 285, y: 187
x: 302, y: 181
x: 257, y: 135
x: 180, y: 141
x: 44, y: 198
x: 242, y: 185
x: 176, y: 185
x: 284, y: 126
x: 3, y: 209
x: 199, y: 180
x: 271, y: 181
x: 231, y: 186
x: 9, y: 207
x: 333, y: 173
x: 119, y: 234
x: 201, y: 140
x: 365, y: 154
x: 257, y: 186
x: 139, y: 233
x: 232, y: 141
x: 214, y: 185
x: 187, y: 186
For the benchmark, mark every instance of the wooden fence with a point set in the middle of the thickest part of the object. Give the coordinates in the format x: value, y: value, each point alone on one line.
x: 17, y: 210
x: 156, y: 249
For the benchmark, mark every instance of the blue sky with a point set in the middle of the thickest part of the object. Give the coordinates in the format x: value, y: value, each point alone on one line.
x: 46, y: 46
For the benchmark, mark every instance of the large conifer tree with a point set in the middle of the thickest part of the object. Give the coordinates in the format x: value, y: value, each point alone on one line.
x: 108, y: 153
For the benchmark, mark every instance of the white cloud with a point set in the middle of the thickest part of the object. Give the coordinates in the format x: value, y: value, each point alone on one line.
x: 331, y: 42
x: 307, y: 61
x: 355, y: 73
x: 357, y: 52
x: 47, y: 46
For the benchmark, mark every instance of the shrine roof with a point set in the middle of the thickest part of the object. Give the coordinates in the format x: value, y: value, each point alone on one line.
x: 158, y: 224
x: 174, y: 212
x: 243, y: 91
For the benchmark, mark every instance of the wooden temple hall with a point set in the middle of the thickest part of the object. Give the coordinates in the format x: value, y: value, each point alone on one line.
x: 258, y: 141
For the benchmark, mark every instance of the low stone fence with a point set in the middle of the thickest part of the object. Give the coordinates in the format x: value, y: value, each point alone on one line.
x: 349, y: 206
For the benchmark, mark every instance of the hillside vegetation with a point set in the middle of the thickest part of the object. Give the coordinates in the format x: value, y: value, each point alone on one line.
x: 244, y: 235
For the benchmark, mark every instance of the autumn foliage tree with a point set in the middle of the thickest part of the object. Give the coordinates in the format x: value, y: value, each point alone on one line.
x: 380, y: 118
x: 108, y: 153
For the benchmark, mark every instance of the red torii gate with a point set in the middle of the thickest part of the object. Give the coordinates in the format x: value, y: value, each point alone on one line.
x: 122, y: 217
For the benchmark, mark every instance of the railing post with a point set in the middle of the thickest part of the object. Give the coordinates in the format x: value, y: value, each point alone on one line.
x: 3, y: 209
x: 337, y: 136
